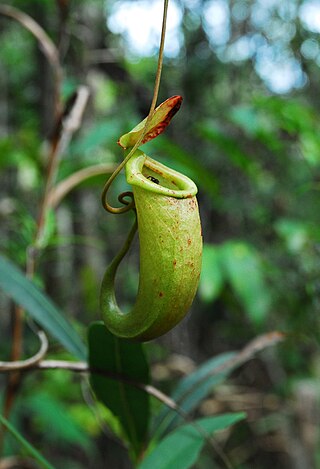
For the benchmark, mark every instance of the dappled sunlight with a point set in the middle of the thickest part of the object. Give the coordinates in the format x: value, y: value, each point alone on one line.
x: 266, y: 40
x: 139, y: 23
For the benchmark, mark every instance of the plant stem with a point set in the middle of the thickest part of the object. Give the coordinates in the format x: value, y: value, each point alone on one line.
x: 156, y: 87
x: 160, y: 61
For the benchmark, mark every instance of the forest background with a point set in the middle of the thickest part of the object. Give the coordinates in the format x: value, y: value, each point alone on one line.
x: 248, y: 134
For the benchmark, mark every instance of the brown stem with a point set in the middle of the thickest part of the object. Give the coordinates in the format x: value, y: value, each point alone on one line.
x: 66, y: 125
x: 29, y: 362
x: 12, y: 462
x: 17, y: 334
x: 16, y: 351
x: 61, y: 189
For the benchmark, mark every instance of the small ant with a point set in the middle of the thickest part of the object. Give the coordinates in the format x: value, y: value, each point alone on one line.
x: 155, y: 180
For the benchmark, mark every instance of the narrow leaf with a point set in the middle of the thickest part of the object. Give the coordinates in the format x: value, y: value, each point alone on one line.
x: 211, y: 280
x: 230, y: 147
x: 25, y: 444
x: 159, y: 121
x: 39, y: 306
x: 181, y: 448
x: 244, y: 270
x: 192, y: 389
x: 64, y: 430
x: 128, y: 403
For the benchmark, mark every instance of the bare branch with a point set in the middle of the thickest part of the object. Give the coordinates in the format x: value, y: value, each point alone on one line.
x: 20, y: 365
x: 12, y: 462
x: 60, y: 190
x: 256, y: 345
x: 250, y: 350
x: 72, y: 118
x: 67, y: 124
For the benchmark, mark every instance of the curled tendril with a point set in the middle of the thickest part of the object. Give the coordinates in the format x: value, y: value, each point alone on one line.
x: 127, y: 205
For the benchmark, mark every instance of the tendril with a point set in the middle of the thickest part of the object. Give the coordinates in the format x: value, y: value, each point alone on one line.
x: 127, y: 205
x: 122, y: 200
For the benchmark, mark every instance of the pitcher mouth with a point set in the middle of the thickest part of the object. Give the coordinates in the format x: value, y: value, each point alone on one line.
x: 146, y: 173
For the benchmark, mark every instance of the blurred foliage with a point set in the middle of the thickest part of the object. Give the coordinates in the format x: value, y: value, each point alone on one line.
x: 248, y: 133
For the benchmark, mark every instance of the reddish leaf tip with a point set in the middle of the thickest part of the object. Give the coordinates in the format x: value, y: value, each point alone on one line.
x: 159, y: 121
x: 173, y: 104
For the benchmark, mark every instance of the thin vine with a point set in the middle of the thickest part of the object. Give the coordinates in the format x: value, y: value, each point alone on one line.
x: 130, y: 205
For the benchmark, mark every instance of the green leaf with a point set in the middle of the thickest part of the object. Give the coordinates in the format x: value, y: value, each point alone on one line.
x: 310, y: 146
x: 241, y: 265
x: 159, y: 121
x: 98, y: 135
x: 256, y: 125
x: 231, y: 147
x: 128, y: 403
x: 39, y: 306
x: 244, y: 270
x: 247, y: 118
x: 192, y: 389
x: 46, y: 408
x: 25, y: 444
x: 211, y: 279
x: 296, y: 233
x: 181, y: 448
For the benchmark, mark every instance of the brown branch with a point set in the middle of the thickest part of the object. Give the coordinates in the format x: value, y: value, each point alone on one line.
x: 15, y: 367
x: 16, y: 351
x: 82, y: 367
x: 66, y: 126
x: 29, y: 362
x: 250, y: 350
x: 256, y: 345
x: 17, y: 334
x: 60, y: 190
x: 12, y: 462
